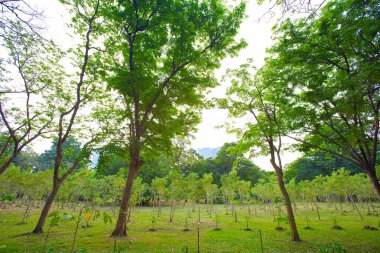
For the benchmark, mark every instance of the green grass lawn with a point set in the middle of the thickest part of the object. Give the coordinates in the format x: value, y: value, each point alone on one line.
x: 232, y: 237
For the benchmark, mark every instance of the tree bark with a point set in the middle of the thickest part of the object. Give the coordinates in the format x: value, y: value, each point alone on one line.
x: 292, y: 221
x: 375, y: 182
x: 45, y: 210
x: 6, y: 164
x: 121, y: 227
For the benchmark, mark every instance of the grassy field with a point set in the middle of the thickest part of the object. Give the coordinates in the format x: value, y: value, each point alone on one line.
x: 170, y: 237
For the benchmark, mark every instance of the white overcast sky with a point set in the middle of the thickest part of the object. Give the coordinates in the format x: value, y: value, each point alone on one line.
x: 256, y: 30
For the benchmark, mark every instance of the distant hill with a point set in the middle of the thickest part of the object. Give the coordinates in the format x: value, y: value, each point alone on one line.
x: 208, y: 152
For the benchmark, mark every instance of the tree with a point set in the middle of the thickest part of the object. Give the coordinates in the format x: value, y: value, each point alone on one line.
x: 331, y: 65
x: 73, y: 95
x: 264, y: 133
x: 175, y: 193
x: 158, y: 187
x: 225, y: 159
x: 27, y: 160
x: 192, y: 189
x: 26, y: 111
x: 161, y: 62
x: 229, y: 189
x: 248, y: 171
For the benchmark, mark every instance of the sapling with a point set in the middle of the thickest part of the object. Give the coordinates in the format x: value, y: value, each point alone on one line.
x: 216, y: 223
x: 261, y: 242
x: 186, y: 226
x: 307, y: 222
x: 78, y: 218
x: 198, y: 237
x: 279, y: 221
x: 153, y: 221
x: 199, y: 214
x: 336, y: 226
x: 27, y: 209
x: 55, y: 218
x: 247, y: 222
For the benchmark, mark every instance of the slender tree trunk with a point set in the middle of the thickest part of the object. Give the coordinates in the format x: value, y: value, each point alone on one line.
x: 341, y: 207
x: 317, y: 208
x: 121, y: 227
x: 292, y: 221
x: 375, y: 182
x: 45, y: 210
x: 159, y: 207
x: 369, y: 211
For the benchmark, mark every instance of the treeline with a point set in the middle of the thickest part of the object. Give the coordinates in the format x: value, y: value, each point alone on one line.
x: 31, y: 189
x: 108, y: 161
x: 187, y: 160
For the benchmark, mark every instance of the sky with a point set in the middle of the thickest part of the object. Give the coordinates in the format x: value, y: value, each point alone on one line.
x: 255, y: 29
x: 258, y: 36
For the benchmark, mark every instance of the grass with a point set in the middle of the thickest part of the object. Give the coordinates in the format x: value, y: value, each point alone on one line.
x: 171, y: 238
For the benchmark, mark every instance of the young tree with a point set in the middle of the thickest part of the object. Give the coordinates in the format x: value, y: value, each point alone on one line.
x: 161, y: 63
x: 175, y: 191
x: 158, y: 187
x: 263, y: 134
x: 229, y: 189
x: 192, y: 191
x: 73, y: 95
x: 209, y: 189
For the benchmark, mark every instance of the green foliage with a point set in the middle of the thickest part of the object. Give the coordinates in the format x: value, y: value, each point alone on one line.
x: 7, y: 197
x: 162, y: 66
x: 325, y: 64
x: 71, y: 148
x: 223, y: 163
x: 309, y: 166
x: 281, y: 220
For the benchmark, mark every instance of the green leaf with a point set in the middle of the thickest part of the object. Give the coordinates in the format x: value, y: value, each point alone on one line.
x: 67, y: 217
x: 83, y: 221
x: 106, y: 218
x: 54, y: 214
x: 55, y: 220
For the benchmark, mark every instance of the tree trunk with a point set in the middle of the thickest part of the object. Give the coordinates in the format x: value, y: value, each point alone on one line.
x: 8, y: 162
x: 121, y: 227
x: 45, y: 210
x: 375, y: 182
x: 292, y: 222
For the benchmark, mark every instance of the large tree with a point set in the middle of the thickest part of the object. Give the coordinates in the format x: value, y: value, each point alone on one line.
x: 331, y: 63
x: 161, y: 63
